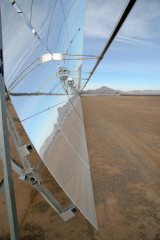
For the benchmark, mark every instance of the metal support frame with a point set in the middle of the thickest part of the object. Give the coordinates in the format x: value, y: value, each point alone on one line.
x: 67, y: 83
x: 30, y: 173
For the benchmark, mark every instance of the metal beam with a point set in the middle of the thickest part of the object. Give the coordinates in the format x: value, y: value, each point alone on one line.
x: 113, y: 35
x: 1, y: 186
x: 40, y: 165
x: 5, y: 155
x: 49, y: 197
x: 17, y: 168
x: 35, y: 94
x: 65, y: 214
x: 20, y: 148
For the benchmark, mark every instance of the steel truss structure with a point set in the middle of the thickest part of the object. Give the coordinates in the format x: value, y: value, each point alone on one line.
x: 28, y: 172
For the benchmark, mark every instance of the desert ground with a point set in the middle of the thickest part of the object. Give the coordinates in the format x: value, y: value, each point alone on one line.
x: 123, y: 139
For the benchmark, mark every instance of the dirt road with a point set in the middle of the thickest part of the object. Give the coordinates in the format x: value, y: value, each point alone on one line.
x: 123, y: 135
x: 123, y: 138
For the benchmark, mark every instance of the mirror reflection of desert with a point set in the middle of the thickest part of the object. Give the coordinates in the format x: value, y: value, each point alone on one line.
x: 123, y: 140
x: 66, y: 157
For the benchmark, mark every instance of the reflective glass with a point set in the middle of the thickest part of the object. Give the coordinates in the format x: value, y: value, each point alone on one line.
x: 54, y: 123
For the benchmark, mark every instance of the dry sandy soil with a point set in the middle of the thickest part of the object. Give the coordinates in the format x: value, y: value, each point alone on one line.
x: 123, y: 137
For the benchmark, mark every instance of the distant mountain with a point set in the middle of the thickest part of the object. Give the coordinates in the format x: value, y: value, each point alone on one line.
x: 102, y: 90
x: 106, y: 90
x: 145, y: 92
x: 63, y: 112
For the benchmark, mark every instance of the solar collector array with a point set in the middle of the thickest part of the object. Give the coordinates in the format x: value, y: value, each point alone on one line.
x: 57, y: 134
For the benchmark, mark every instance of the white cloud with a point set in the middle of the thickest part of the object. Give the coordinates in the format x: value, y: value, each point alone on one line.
x: 142, y: 23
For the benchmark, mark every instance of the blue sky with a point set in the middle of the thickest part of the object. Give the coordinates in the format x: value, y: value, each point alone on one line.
x: 133, y: 60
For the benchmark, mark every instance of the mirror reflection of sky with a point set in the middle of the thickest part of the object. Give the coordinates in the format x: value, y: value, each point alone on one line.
x: 60, y: 26
x: 133, y: 60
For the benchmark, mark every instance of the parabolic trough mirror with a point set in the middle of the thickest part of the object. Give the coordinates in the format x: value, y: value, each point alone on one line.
x: 33, y: 31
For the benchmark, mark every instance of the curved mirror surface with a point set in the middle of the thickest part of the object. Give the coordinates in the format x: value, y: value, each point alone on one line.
x: 44, y: 90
